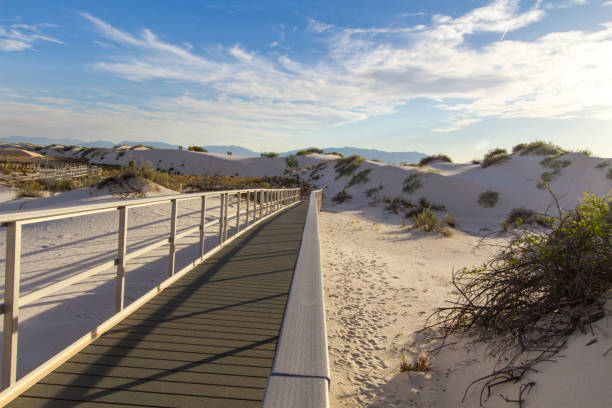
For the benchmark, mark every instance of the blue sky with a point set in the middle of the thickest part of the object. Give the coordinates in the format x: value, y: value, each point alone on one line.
x: 457, y: 77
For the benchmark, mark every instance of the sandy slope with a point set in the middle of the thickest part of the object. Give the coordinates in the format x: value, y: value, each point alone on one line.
x: 383, y: 280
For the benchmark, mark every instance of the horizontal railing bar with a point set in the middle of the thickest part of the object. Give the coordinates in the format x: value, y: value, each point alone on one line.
x: 66, y: 212
x: 37, y: 294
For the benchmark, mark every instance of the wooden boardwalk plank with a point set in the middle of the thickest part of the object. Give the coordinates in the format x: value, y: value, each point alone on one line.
x: 206, y: 341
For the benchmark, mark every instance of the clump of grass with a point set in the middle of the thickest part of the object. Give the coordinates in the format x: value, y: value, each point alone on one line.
x: 30, y: 188
x: 555, y: 165
x: 438, y: 157
x: 308, y: 151
x: 539, y: 148
x: 602, y: 165
x: 347, y: 165
x: 422, y: 364
x: 523, y: 217
x: 494, y: 157
x: 359, y: 178
x: 488, y: 199
x: 341, y: 197
x: 370, y: 192
x: 412, y: 183
x: 65, y: 184
x: 535, y: 292
x: 609, y: 175
x: 197, y: 149
x: 337, y: 154
x: 426, y: 220
x: 292, y: 162
x: 269, y: 154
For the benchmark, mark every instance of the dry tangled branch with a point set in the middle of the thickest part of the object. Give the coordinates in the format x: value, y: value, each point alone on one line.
x: 541, y: 287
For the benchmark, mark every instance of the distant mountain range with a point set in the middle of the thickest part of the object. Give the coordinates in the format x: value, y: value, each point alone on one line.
x: 387, y: 157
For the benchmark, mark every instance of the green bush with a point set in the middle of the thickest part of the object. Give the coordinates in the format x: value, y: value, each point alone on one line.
x: 535, y: 292
x: 65, y: 184
x: 488, y: 199
x: 197, y: 149
x: 292, y: 162
x: 412, y: 183
x: 426, y: 220
x: 539, y: 148
x: 359, y: 178
x: 341, y: 197
x: 347, y: 165
x: 30, y: 189
x: 495, y: 156
x: 270, y: 154
x: 520, y: 217
x: 438, y: 157
x: 308, y: 151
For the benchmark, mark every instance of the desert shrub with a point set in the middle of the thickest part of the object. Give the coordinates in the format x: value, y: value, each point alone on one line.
x: 539, y: 148
x: 586, y: 152
x: 426, y: 220
x: 65, y: 184
x: 337, y: 154
x: 488, y: 199
x: 535, y: 292
x: 476, y: 161
x: 422, y: 364
x: 347, y: 165
x: 495, y: 156
x: 31, y: 188
x: 292, y: 162
x: 310, y: 150
x: 270, y: 154
x: 602, y: 165
x: 145, y: 170
x: 397, y: 205
x: 412, y: 183
x: 197, y: 149
x: 523, y: 217
x: 341, y: 197
x: 361, y: 177
x: 370, y: 192
x: 438, y: 157
x: 555, y: 163
x: 609, y: 174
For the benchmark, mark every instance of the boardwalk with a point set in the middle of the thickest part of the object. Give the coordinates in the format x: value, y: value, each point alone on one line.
x: 206, y: 341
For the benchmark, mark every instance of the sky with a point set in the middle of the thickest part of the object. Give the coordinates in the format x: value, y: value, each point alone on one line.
x: 437, y: 76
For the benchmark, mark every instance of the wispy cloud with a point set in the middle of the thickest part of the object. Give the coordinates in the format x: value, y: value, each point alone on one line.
x: 19, y: 37
x: 372, y: 71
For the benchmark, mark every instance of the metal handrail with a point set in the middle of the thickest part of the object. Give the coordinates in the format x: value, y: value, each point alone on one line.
x: 270, y: 201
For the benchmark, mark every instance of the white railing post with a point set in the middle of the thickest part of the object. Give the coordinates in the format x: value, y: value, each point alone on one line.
x: 221, y: 209
x: 11, y: 304
x: 239, y: 195
x: 121, y: 251
x: 202, y: 225
x: 225, y: 211
x: 172, y: 240
x: 248, y: 205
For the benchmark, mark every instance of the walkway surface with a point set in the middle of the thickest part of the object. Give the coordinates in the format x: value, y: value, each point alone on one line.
x: 206, y: 341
